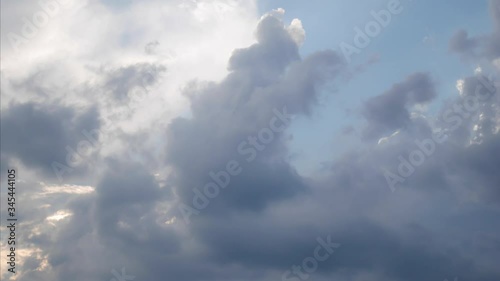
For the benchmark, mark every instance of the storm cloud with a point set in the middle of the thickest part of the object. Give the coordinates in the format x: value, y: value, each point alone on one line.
x: 212, y: 191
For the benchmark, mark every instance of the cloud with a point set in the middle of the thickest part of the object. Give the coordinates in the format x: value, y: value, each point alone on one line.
x: 137, y: 77
x: 124, y: 212
x: 40, y: 134
x: 264, y: 77
x: 389, y: 111
x: 485, y: 46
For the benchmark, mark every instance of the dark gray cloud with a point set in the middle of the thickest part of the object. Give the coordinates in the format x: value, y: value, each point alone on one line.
x: 482, y: 46
x: 381, y: 234
x: 390, y: 111
x: 41, y: 134
x: 461, y: 43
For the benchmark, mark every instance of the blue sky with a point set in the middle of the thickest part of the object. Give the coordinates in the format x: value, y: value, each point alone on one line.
x: 400, y: 46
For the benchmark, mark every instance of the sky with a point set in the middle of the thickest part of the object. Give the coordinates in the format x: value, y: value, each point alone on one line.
x: 250, y: 140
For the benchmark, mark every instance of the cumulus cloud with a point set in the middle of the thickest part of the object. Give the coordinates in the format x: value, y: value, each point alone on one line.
x: 229, y: 133
x: 266, y: 77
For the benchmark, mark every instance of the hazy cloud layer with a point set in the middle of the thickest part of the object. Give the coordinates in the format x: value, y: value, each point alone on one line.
x: 193, y: 178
